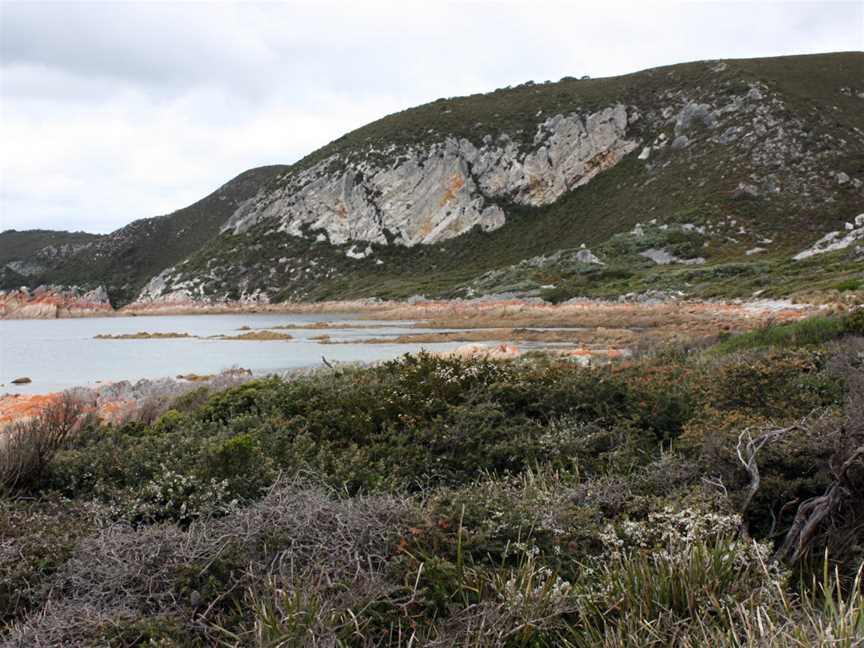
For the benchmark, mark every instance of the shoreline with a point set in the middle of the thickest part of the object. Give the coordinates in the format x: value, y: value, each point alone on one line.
x: 413, y: 309
x: 578, y: 331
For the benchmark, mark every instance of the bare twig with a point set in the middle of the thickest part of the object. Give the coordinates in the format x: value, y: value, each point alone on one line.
x: 748, y: 447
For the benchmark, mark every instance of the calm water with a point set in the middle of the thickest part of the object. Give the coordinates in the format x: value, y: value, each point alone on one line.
x: 57, y: 354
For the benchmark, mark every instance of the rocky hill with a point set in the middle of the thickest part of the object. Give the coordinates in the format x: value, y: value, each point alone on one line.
x: 714, y: 178
x: 34, y: 252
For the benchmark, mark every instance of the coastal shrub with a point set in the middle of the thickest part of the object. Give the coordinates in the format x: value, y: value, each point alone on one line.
x: 296, y: 529
x: 774, y: 383
x: 107, y: 460
x: 496, y: 520
x: 848, y: 284
x: 663, y: 394
x: 170, y: 421
x: 532, y: 503
x: 810, y: 331
x: 192, y: 399
x: 424, y: 420
x: 240, y: 464
x: 854, y: 322
x: 175, y: 497
x: 28, y: 447
x: 671, y: 596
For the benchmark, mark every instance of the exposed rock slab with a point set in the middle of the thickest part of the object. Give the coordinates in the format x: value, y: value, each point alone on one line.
x: 432, y: 193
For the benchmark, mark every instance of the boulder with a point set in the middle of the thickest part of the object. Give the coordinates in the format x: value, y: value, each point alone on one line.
x: 586, y: 256
x: 745, y: 191
x: 694, y: 114
x: 680, y: 142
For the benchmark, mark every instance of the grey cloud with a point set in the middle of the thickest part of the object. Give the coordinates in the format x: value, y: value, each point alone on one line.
x: 116, y: 111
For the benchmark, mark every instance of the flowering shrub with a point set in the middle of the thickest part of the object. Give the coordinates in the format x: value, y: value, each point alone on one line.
x: 667, y: 532
x: 175, y: 497
x: 533, y: 591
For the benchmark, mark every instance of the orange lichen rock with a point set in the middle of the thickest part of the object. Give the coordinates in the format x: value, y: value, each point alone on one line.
x: 456, y: 183
x: 49, y: 302
x: 17, y: 407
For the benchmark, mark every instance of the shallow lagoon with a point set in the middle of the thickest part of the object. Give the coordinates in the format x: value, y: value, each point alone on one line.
x: 58, y: 354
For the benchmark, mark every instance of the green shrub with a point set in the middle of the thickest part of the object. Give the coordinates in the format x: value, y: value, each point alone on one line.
x: 539, y: 504
x: 811, y: 331
x: 848, y: 284
x: 240, y: 463
x: 854, y: 322
x: 774, y: 383
x: 170, y: 421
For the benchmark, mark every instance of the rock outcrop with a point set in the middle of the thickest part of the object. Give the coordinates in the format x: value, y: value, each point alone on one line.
x: 833, y: 241
x: 426, y: 194
x: 50, y: 302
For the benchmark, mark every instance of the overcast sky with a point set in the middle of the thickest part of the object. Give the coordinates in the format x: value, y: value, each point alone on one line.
x: 112, y: 112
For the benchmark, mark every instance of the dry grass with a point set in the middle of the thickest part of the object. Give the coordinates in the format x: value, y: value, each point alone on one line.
x: 314, y: 326
x: 601, y: 336
x: 257, y: 336
x: 586, y: 314
x: 143, y: 335
x: 298, y: 534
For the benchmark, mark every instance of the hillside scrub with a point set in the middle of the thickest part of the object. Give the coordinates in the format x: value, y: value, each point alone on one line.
x: 433, y: 501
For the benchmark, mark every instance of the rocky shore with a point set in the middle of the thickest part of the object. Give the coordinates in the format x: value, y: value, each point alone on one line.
x: 52, y: 302
x: 55, y: 302
x: 118, y: 401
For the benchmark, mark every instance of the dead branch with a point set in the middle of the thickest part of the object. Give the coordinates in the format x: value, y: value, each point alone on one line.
x: 747, y: 453
x: 813, y: 511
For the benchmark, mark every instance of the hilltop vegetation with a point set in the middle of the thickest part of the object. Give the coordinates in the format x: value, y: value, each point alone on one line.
x: 687, y: 497
x: 33, y: 252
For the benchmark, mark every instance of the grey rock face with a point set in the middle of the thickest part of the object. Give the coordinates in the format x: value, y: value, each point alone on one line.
x: 26, y: 268
x: 664, y: 257
x: 97, y: 296
x: 440, y: 191
x: 586, y: 256
x: 693, y: 114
